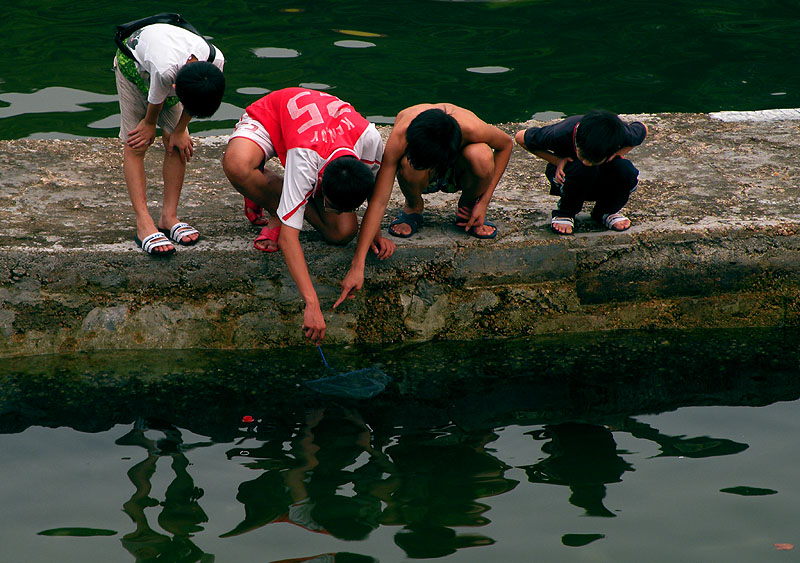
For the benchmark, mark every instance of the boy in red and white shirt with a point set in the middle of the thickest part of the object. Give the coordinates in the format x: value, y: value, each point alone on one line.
x: 330, y: 154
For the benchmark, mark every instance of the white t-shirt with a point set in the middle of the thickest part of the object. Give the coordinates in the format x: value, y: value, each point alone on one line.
x: 161, y: 50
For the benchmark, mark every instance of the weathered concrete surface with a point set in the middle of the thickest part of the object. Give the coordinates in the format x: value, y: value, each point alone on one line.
x: 714, y: 243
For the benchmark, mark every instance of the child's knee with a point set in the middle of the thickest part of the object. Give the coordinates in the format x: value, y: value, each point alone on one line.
x: 139, y: 152
x: 234, y: 168
x: 342, y: 234
x: 480, y: 158
x: 519, y: 138
x: 411, y: 181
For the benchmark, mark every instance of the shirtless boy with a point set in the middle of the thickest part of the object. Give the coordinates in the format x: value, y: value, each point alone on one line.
x: 434, y: 147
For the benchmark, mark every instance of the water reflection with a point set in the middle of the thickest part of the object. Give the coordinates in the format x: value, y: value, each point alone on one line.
x: 454, y: 461
x: 439, y: 477
x: 680, y: 446
x: 181, y: 513
x: 334, y: 481
x: 302, y: 487
x: 333, y: 473
x: 337, y: 478
x: 582, y: 457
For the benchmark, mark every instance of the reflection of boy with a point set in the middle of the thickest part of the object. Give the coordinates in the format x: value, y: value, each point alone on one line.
x: 585, y: 156
x: 308, y: 494
x: 330, y: 154
x: 584, y: 458
x: 340, y: 557
x: 168, y: 82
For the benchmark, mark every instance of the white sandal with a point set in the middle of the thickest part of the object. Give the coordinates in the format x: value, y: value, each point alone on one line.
x: 151, y: 242
x: 611, y: 219
x: 562, y: 222
x: 180, y: 230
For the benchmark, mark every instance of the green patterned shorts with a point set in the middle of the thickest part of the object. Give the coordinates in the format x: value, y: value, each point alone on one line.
x: 446, y: 183
x: 127, y: 67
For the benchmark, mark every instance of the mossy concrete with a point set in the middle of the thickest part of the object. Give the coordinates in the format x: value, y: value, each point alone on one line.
x: 714, y: 243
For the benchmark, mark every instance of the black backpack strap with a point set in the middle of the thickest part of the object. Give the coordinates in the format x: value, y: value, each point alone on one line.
x: 125, y: 30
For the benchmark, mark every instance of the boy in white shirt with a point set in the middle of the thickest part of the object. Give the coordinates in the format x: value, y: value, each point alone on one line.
x: 174, y: 75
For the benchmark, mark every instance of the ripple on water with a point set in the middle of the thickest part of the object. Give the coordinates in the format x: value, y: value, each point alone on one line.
x: 488, y: 69
x: 316, y: 85
x: 253, y: 91
x: 354, y: 44
x: 275, y: 53
x: 753, y: 27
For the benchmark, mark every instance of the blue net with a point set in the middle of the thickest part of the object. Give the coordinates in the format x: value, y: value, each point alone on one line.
x: 358, y: 384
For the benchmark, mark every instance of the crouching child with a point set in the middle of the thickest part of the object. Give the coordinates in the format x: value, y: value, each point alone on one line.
x: 585, y: 157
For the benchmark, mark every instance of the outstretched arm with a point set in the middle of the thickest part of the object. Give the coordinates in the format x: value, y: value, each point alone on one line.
x: 501, y: 144
x: 369, y: 234
x: 313, y: 321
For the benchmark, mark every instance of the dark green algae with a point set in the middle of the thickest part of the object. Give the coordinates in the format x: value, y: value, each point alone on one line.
x: 594, y: 377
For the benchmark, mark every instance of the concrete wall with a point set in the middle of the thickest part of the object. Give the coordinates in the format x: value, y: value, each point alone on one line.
x: 714, y: 243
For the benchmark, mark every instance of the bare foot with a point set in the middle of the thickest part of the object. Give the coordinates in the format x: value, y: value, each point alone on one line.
x: 406, y: 224
x: 616, y: 222
x: 186, y: 240
x: 267, y: 240
x: 562, y: 225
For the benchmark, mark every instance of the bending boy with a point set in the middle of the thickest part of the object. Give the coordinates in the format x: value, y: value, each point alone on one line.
x: 168, y: 82
x: 434, y: 147
x: 585, y: 157
x: 330, y: 154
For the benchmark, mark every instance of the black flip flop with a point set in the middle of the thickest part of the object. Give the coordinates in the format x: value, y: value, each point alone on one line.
x: 413, y: 220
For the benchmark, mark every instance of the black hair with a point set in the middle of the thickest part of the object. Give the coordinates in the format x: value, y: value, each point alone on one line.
x: 600, y: 134
x: 347, y: 183
x: 433, y: 140
x: 200, y: 86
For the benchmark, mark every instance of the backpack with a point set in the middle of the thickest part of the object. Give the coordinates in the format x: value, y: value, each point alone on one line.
x: 125, y: 30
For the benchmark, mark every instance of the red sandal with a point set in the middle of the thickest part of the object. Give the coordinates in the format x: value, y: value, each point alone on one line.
x: 268, y: 234
x: 254, y: 213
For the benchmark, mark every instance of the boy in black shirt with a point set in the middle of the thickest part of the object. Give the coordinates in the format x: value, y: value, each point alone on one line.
x: 585, y: 156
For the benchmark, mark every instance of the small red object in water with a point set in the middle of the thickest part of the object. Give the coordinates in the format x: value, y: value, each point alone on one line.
x: 784, y: 546
x: 248, y: 418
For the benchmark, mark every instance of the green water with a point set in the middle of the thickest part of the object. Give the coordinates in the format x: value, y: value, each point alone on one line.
x: 630, y: 446
x: 506, y: 60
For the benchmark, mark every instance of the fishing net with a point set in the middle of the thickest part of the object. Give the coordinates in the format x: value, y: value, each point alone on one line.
x: 358, y: 384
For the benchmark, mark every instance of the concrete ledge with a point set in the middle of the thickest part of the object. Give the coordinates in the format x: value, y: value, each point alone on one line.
x: 714, y: 243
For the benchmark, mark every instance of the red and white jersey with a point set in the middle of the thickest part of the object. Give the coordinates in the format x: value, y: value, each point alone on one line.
x: 309, y: 129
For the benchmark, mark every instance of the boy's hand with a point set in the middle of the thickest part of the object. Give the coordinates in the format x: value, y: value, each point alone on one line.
x: 382, y: 247
x: 352, y: 282
x: 471, y: 217
x: 314, y: 324
x: 182, y: 143
x: 142, y: 136
x: 560, y: 177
